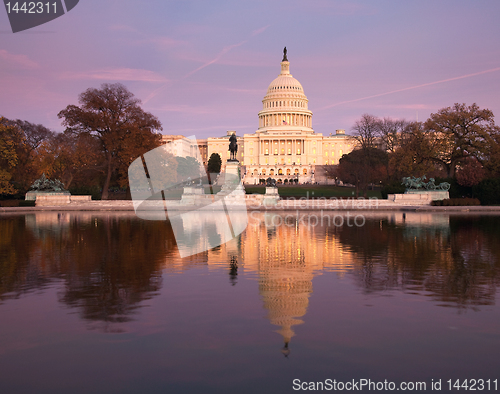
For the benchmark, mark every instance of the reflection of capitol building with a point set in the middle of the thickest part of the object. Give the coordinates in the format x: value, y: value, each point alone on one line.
x: 284, y: 252
x: 285, y: 146
x: 280, y: 252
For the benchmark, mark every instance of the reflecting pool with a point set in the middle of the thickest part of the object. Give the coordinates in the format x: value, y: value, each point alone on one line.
x: 102, y: 303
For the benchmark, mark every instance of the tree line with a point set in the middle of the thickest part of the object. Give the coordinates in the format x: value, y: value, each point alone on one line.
x: 103, y: 135
x: 459, y: 143
x: 109, y: 129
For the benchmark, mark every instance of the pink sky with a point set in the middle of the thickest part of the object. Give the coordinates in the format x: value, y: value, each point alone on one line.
x: 203, y: 67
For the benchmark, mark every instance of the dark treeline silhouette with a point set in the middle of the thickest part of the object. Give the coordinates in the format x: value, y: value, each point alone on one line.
x: 456, y: 262
x: 108, y: 264
x: 460, y: 144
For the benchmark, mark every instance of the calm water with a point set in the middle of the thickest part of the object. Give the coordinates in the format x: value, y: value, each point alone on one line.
x: 102, y: 303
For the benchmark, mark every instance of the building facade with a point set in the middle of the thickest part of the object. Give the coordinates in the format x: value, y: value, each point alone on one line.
x: 285, y: 146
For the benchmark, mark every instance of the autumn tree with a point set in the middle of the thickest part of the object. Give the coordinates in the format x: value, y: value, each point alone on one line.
x: 366, y: 131
x: 114, y: 117
x: 28, y: 139
x: 9, y: 137
x: 411, y: 155
x: 73, y: 159
x: 362, y: 167
x: 389, y: 131
x: 459, y: 132
x: 470, y: 173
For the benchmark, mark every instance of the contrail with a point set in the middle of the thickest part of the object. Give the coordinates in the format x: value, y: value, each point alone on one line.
x: 411, y: 87
x: 215, y: 60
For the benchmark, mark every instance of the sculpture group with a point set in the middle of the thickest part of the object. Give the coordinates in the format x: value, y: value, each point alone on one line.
x: 413, y: 183
x: 46, y: 185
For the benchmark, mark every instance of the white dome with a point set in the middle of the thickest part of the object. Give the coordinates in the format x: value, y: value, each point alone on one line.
x: 285, y: 104
x: 285, y: 84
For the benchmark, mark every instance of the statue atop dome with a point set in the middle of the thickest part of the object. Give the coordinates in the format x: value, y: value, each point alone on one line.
x: 285, y: 59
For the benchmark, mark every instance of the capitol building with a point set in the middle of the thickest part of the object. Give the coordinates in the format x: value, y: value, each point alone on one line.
x: 285, y: 146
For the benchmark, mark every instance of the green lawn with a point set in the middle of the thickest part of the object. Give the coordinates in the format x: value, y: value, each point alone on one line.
x: 311, y: 191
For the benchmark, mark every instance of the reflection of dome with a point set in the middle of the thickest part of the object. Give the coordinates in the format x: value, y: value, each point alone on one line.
x: 285, y: 294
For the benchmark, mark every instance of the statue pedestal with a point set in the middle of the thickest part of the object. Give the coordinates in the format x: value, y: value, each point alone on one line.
x: 232, y: 189
x: 32, y: 196
x: 192, y: 195
x: 418, y: 197
x: 46, y: 200
x: 271, y: 197
x: 430, y: 195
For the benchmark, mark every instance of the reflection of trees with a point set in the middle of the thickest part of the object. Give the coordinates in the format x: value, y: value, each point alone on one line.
x: 115, y: 265
x: 17, y: 274
x: 25, y: 264
x: 474, y: 274
x: 456, y: 263
x: 109, y: 263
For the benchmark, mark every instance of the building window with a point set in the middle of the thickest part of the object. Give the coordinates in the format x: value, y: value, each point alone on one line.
x: 288, y: 171
x: 267, y: 151
x: 282, y: 151
x: 280, y: 172
x: 276, y: 151
x: 298, y: 151
x: 296, y: 171
x: 314, y: 151
x: 340, y: 153
x: 289, y: 151
x: 305, y: 171
x: 326, y: 162
x: 263, y: 172
x: 267, y: 160
x: 333, y: 153
x: 326, y: 154
x: 251, y: 151
x: 271, y: 172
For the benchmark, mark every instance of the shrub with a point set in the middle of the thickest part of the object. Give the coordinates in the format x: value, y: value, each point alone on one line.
x: 27, y: 203
x: 456, y: 190
x: 488, y: 191
x: 456, y: 202
x: 93, y: 191
x: 393, y: 187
